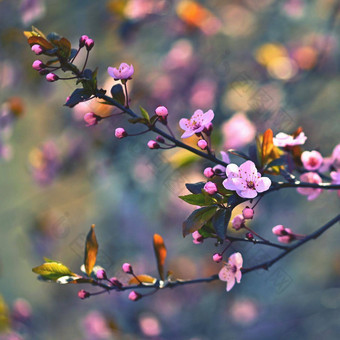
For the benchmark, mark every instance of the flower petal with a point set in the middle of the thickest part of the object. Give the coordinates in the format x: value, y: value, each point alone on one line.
x: 225, y: 157
x: 236, y: 260
x: 184, y: 124
x: 240, y: 183
x: 230, y: 283
x: 248, y: 170
x: 225, y: 273
x: 232, y: 170
x: 249, y: 193
x: 228, y: 184
x: 208, y: 117
x: 238, y: 276
x: 263, y: 184
x: 187, y: 134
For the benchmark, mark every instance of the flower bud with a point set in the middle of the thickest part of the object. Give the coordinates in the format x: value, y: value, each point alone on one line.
x: 153, y: 145
x: 101, y: 274
x: 238, y: 222
x: 160, y: 139
x: 37, y: 49
x: 127, y: 268
x: 134, y: 296
x: 202, y: 144
x: 162, y: 111
x: 248, y: 213
x: 115, y: 282
x: 278, y: 230
x: 82, y: 40
x: 208, y: 129
x: 91, y: 119
x: 249, y: 236
x: 210, y: 188
x: 120, y: 133
x: 89, y: 43
x: 51, y: 77
x: 197, y: 237
x: 83, y: 294
x: 217, y: 258
x: 38, y: 65
x: 208, y: 172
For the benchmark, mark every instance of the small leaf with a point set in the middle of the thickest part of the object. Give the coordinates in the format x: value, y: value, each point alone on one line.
x: 78, y: 95
x: 142, y: 278
x: 160, y: 253
x: 91, y: 250
x: 138, y: 120
x: 267, y: 145
x: 145, y: 114
x: 195, y: 188
x: 220, y: 222
x: 198, y: 199
x: 197, y: 219
x: 40, y: 41
x: 52, y: 270
x: 117, y: 93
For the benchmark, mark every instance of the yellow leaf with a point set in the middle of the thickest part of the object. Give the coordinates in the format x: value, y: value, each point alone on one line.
x: 160, y: 252
x: 52, y: 270
x: 267, y: 145
x: 91, y: 250
x: 40, y: 41
x: 142, y: 278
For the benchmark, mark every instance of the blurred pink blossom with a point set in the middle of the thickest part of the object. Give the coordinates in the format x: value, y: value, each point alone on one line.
x: 196, y: 123
x: 32, y: 10
x: 149, y: 325
x: 203, y: 93
x: 95, y: 326
x: 238, y: 131
x: 335, y: 175
x: 311, y: 160
x: 282, y: 139
x: 311, y: 193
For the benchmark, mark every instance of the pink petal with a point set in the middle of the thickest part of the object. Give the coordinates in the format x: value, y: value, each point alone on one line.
x: 184, y: 124
x: 225, y: 157
x: 236, y: 260
x: 240, y: 183
x: 187, y: 134
x: 225, y: 273
x: 208, y: 117
x: 228, y: 184
x: 110, y: 72
x: 263, y: 184
x: 230, y: 283
x: 238, y: 276
x: 197, y: 116
x: 314, y: 194
x: 232, y: 170
x: 249, y: 193
x: 248, y: 170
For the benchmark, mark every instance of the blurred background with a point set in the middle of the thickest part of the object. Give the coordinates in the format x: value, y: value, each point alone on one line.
x: 257, y: 64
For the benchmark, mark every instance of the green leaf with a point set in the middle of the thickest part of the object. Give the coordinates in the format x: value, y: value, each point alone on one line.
x: 145, y: 114
x: 220, y: 222
x: 198, y: 199
x: 52, y: 270
x: 78, y: 95
x: 160, y: 253
x: 195, y: 188
x: 197, y: 219
x: 91, y: 250
x: 117, y: 93
x: 138, y: 120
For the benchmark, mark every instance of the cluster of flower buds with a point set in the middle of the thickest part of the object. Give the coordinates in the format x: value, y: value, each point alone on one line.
x: 87, y: 42
x: 285, y: 235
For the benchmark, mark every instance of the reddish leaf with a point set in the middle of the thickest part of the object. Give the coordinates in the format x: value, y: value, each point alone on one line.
x: 142, y: 278
x: 91, y: 250
x: 267, y: 145
x: 40, y: 41
x: 160, y: 252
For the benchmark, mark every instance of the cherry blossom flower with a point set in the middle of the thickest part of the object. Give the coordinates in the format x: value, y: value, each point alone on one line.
x: 196, y: 123
x: 246, y: 180
x: 282, y: 139
x: 311, y: 193
x: 232, y: 271
x: 124, y: 72
x: 238, y: 222
x: 311, y: 160
x: 335, y: 175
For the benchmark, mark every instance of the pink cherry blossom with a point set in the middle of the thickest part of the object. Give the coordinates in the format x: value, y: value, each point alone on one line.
x: 335, y: 175
x: 311, y: 193
x: 282, y: 139
x: 197, y: 237
x: 245, y: 180
x: 238, y: 222
x: 311, y: 160
x: 123, y: 72
x: 232, y: 271
x: 208, y: 172
x: 196, y: 123
x: 202, y: 144
x: 210, y: 188
x: 248, y: 213
x: 217, y: 258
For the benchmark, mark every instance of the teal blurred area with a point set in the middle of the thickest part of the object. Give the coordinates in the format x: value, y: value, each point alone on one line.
x: 274, y: 63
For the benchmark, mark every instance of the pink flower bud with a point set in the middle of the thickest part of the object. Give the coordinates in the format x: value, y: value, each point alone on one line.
x: 197, y: 237
x: 160, y: 139
x: 210, y: 188
x: 238, y: 222
x: 38, y: 65
x: 91, y: 119
x: 89, y: 43
x: 278, y: 230
x: 120, y: 133
x: 83, y: 294
x: 249, y: 236
x: 37, y: 49
x: 162, y: 111
x: 311, y: 160
x: 101, y: 274
x: 202, y: 144
x: 115, y: 282
x: 217, y: 258
x: 82, y: 40
x: 285, y: 239
x: 153, y: 145
x: 208, y: 128
x: 248, y: 213
x: 208, y: 172
x: 51, y: 77
x: 127, y: 268
x: 134, y: 296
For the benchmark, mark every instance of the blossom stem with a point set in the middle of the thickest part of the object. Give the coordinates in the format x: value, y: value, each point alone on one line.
x: 126, y: 94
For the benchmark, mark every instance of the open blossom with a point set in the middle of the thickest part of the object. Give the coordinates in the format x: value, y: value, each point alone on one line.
x: 123, y: 72
x: 245, y: 180
x: 196, y: 123
x: 311, y: 193
x: 232, y: 271
x: 335, y: 175
x: 311, y: 160
x: 282, y: 139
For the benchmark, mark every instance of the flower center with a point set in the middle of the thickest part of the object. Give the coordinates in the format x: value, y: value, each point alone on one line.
x: 195, y: 125
x: 251, y: 185
x: 234, y: 269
